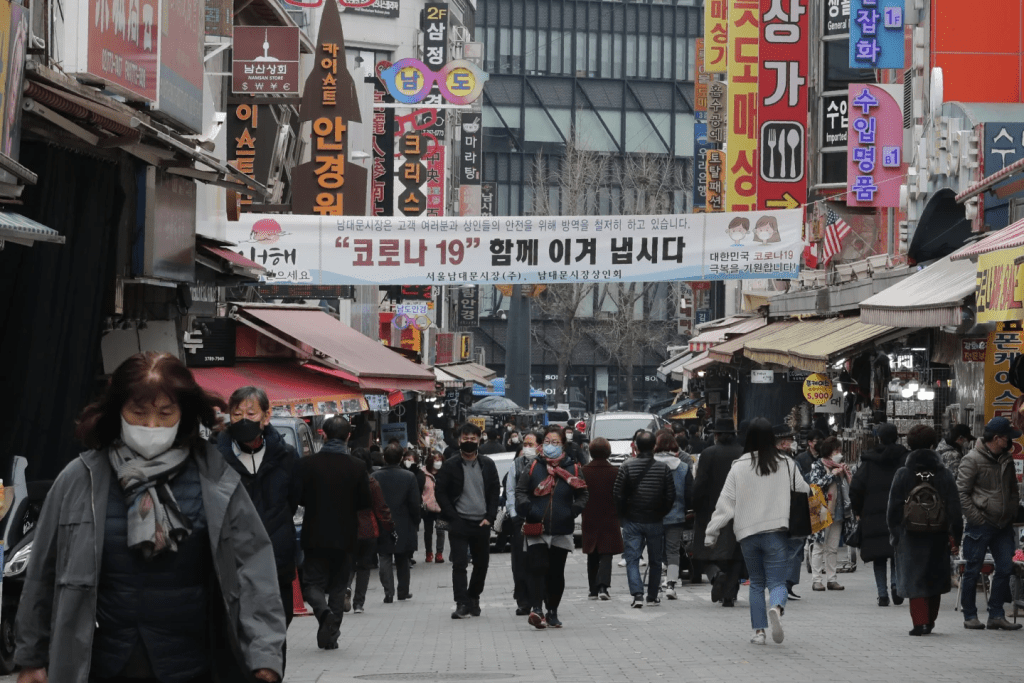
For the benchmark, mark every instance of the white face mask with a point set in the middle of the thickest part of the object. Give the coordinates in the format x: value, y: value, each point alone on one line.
x: 148, y: 442
x: 529, y: 451
x: 837, y: 458
x: 407, y: 464
x: 437, y: 464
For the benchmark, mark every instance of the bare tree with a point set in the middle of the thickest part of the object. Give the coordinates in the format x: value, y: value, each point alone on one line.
x: 649, y: 183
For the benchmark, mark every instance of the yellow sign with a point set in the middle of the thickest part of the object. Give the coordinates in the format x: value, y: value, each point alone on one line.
x: 461, y: 81
x: 741, y: 138
x: 818, y: 389
x: 1000, y: 294
x: 716, y: 36
x: 480, y: 422
x: 1003, y: 345
x: 409, y: 81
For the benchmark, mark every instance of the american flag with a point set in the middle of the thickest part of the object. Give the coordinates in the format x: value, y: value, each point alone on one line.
x: 835, y: 230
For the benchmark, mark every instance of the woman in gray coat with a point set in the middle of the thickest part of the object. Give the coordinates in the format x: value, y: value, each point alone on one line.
x: 394, y: 552
x: 150, y: 561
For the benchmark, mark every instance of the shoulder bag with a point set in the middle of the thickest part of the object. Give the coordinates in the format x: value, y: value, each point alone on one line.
x: 799, y: 510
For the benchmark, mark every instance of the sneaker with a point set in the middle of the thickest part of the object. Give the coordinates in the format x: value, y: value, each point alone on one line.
x: 643, y: 562
x: 522, y: 611
x: 653, y: 602
x: 327, y: 634
x: 759, y: 638
x: 973, y: 624
x: 883, y: 600
x: 835, y: 586
x: 474, y: 608
x: 603, y: 594
x: 439, y: 558
x: 775, y: 619
x: 552, y: 619
x: 1002, y: 624
x: 388, y: 599
x: 670, y: 591
x: 429, y: 558
x: 347, y: 606
x: 817, y: 586
x: 461, y: 612
x: 791, y: 594
x: 407, y: 596
x: 592, y: 596
x: 638, y: 602
x: 622, y: 562
x: 357, y: 609
x: 537, y: 620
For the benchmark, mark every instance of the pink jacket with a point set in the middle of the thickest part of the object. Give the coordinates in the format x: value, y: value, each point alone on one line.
x: 429, y: 502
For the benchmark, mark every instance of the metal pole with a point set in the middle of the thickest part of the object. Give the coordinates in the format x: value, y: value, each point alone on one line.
x: 517, y: 349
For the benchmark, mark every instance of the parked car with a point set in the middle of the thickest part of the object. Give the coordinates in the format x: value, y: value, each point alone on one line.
x: 619, y: 428
x: 562, y: 418
x: 297, y: 434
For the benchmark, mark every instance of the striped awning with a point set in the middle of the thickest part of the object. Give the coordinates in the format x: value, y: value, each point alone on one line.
x: 17, y: 229
x: 932, y: 297
x: 697, y: 363
x: 718, y: 335
x: 725, y: 353
x: 1010, y: 237
x: 813, y: 345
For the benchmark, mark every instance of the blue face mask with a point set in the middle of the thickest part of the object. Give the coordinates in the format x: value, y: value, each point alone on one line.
x: 552, y: 450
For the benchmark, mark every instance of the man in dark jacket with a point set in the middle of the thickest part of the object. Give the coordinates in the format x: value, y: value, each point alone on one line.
x: 270, y: 473
x: 724, y: 561
x: 493, y: 444
x: 402, y: 494
x: 468, y: 491
x: 334, y: 489
x: 644, y: 492
x: 990, y: 498
x: 807, y: 458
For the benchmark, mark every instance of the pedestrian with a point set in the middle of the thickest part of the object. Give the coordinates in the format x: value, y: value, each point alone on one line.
x: 492, y: 444
x: 404, y: 501
x: 807, y: 458
x: 784, y: 444
x: 431, y: 510
x: 602, y: 532
x: 334, y: 489
x: 756, y: 499
x: 550, y: 495
x: 989, y: 497
x: 373, y: 524
x: 697, y: 445
x: 411, y: 462
x: 468, y: 490
x: 514, y: 523
x: 831, y: 477
x: 667, y: 451
x: 922, y: 557
x: 644, y: 492
x: 869, y: 499
x: 149, y: 559
x: 723, y: 561
x: 952, y: 449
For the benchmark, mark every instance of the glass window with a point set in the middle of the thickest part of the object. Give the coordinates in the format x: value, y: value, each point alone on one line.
x: 837, y: 67
x: 656, y: 57
x: 666, y: 59
x: 542, y: 51
x: 684, y: 134
x: 644, y: 58
x: 592, y: 54
x: 538, y: 127
x: 504, y: 45
x: 631, y: 69
x: 681, y: 70
x: 617, y: 56
x: 491, y: 58
x: 592, y: 131
x: 581, y: 53
x: 567, y: 52
x: 531, y: 50
x: 606, y: 56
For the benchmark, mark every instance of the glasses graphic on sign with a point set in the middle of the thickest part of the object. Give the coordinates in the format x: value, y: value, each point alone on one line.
x: 409, y: 81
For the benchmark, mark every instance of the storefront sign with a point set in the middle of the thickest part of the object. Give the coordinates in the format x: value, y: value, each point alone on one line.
x: 715, y: 180
x: 435, y: 181
x: 1004, y: 144
x: 183, y: 33
x: 718, y: 111
x: 741, y: 142
x: 410, y: 81
x: 876, y: 34
x: 265, y: 59
x: 762, y: 376
x: 170, y: 237
x: 817, y: 389
x: 467, y: 308
x: 833, y: 405
x: 875, y: 146
x: 379, y: 403
x: 703, y: 316
x: 972, y: 350
x: 782, y: 105
x: 218, y: 18
x: 379, y: 8
x: 716, y: 36
x: 435, y: 40
x: 121, y: 44
x: 488, y: 199
x: 251, y: 132
x: 12, y: 76
x: 1000, y: 292
x: 528, y: 249
x: 470, y: 166
x: 701, y: 145
x: 1003, y: 346
x: 382, y: 190
x: 794, y: 375
x: 837, y: 17
x: 684, y: 323
x: 393, y: 430
x: 412, y: 175
x: 835, y: 121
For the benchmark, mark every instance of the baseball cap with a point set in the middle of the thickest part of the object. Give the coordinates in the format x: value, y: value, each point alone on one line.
x: 1000, y: 426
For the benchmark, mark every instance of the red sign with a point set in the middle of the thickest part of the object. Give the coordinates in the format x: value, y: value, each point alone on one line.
x: 265, y: 60
x: 124, y: 42
x: 782, y: 102
x: 181, y: 63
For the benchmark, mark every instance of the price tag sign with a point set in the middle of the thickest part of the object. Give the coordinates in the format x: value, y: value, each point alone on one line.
x: 818, y: 389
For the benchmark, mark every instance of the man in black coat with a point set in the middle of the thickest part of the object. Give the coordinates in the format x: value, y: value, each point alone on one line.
x: 402, y: 494
x: 334, y: 488
x: 807, y: 458
x: 724, y: 561
x: 493, y: 444
x: 468, y: 491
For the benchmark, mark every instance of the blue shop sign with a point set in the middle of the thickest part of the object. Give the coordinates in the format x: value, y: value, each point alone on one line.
x: 876, y: 34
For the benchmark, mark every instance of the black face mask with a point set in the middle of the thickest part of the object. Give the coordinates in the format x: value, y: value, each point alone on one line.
x: 248, y: 434
x: 468, y: 446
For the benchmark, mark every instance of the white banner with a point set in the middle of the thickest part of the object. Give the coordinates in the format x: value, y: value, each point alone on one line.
x: 334, y: 250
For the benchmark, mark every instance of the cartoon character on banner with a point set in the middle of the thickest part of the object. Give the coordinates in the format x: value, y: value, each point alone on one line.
x: 766, y: 230
x: 738, y: 229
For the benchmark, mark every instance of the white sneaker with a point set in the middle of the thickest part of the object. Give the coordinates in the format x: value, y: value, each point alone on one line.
x: 670, y: 591
x: 622, y: 562
x: 759, y: 638
x: 643, y: 562
x: 775, y: 619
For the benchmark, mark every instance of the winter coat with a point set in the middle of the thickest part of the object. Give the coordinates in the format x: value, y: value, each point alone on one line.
x: 646, y: 500
x: 831, y: 485
x: 804, y: 461
x: 712, y: 472
x: 753, y: 502
x: 922, y: 559
x: 602, y: 532
x: 869, y: 498
x: 451, y: 478
x: 682, y: 480
x: 57, y: 612
x: 951, y: 455
x: 421, y: 477
x: 377, y: 520
x: 275, y: 490
x: 428, y: 499
x: 335, y: 487
x: 403, y: 499
x: 988, y: 488
x: 557, y: 510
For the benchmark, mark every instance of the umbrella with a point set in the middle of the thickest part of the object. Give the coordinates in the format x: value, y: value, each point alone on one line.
x: 497, y: 404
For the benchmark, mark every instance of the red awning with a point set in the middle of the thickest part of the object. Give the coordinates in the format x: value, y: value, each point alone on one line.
x: 1010, y: 237
x: 369, y: 363
x: 232, y: 257
x: 292, y: 389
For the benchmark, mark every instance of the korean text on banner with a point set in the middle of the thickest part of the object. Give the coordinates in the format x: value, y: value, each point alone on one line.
x: 782, y: 105
x: 716, y: 36
x: 874, y: 145
x: 701, y: 145
x: 1000, y: 293
x: 124, y: 54
x: 1003, y: 345
x: 715, y: 188
x: 522, y: 250
x: 741, y: 142
x: 876, y: 34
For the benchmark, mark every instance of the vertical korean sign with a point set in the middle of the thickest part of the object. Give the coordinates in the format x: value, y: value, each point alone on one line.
x: 718, y: 125
x: 412, y: 174
x: 716, y: 180
x: 716, y: 36
x: 741, y: 142
x: 251, y: 133
x: 782, y: 101
x: 435, y: 56
x: 701, y: 143
x: 874, y: 145
x: 124, y: 43
x: 876, y: 34
x: 382, y: 189
x: 1003, y: 346
x: 470, y: 162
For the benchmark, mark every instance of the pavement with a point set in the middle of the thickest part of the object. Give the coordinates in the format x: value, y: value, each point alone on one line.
x: 834, y: 636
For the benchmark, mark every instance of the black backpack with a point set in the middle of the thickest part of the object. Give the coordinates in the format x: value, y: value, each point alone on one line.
x: 924, y: 510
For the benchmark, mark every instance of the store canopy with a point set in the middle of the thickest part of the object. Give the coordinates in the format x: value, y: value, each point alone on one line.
x: 20, y: 230
x: 697, y: 363
x: 725, y: 353
x: 291, y: 388
x: 666, y: 369
x: 449, y: 381
x: 1010, y: 237
x: 709, y: 338
x: 359, y: 359
x: 471, y: 372
x: 813, y: 345
x: 498, y: 389
x: 216, y: 255
x: 932, y: 297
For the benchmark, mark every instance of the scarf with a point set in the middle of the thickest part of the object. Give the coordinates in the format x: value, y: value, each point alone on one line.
x: 155, y: 522
x: 829, y: 465
x: 548, y: 485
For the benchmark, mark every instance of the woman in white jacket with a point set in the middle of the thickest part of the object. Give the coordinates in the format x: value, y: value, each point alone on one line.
x: 756, y: 497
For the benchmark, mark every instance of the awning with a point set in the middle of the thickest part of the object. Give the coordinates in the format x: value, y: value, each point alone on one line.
x: 710, y: 338
x: 666, y: 369
x: 813, y: 345
x: 498, y: 389
x: 291, y: 388
x: 216, y: 255
x: 991, y: 181
x: 699, y: 362
x: 1010, y: 237
x: 449, y: 381
x: 20, y: 230
x: 689, y: 414
x: 368, y: 363
x: 724, y: 353
x: 471, y: 372
x: 932, y: 297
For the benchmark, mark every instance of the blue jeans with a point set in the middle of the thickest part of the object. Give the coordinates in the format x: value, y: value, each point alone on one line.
x: 883, y: 588
x: 1000, y: 543
x: 634, y: 536
x: 769, y: 557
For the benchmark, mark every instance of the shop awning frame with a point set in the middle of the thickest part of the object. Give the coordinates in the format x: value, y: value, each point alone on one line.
x: 718, y: 335
x: 1010, y: 237
x: 814, y: 345
x: 666, y: 369
x: 726, y: 353
x: 932, y: 297
x: 18, y: 229
x: 988, y: 182
x: 471, y: 372
x: 214, y: 254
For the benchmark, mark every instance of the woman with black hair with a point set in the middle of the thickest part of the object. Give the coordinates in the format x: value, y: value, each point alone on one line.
x: 756, y: 498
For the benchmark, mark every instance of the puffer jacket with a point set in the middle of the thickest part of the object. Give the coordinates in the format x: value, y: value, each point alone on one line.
x: 683, y: 482
x: 988, y: 488
x: 558, y: 510
x: 950, y: 455
x: 648, y: 500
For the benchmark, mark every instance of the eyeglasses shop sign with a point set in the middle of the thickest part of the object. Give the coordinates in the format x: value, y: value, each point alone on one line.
x: 762, y: 376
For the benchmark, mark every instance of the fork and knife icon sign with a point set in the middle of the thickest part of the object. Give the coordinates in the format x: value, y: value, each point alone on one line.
x: 787, y: 140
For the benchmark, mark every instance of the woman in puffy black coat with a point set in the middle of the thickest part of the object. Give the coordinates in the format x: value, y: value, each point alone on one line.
x: 869, y: 498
